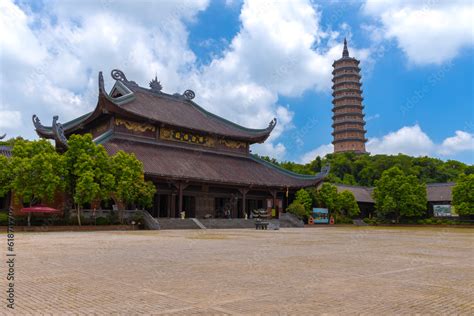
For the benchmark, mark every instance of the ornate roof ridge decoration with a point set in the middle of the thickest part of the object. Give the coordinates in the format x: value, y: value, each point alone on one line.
x: 3, y: 136
x: 119, y: 75
x: 189, y: 94
x: 155, y: 85
x: 40, y: 128
x: 272, y: 124
x: 58, y: 132
x: 101, y: 83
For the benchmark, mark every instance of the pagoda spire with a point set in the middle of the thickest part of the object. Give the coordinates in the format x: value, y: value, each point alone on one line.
x: 345, y: 51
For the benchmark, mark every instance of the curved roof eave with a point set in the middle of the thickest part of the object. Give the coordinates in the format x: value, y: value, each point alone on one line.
x: 320, y: 176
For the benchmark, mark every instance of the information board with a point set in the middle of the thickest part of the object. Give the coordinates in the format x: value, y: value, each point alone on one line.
x: 320, y: 215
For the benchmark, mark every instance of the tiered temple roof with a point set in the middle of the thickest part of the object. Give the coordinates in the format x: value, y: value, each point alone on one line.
x: 175, y: 138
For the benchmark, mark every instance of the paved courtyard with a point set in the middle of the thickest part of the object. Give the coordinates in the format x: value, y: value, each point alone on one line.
x: 323, y: 270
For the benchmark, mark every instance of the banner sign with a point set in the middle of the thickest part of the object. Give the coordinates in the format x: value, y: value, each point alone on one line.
x: 444, y: 211
x: 320, y: 215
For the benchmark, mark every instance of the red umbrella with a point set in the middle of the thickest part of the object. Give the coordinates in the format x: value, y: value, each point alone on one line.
x: 38, y: 209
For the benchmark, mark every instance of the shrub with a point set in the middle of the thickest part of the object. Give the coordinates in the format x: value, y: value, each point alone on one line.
x: 341, y: 219
x: 113, y: 218
x: 3, y: 218
x: 304, y: 198
x: 370, y: 221
x: 298, y: 210
x: 137, y: 218
x: 102, y: 221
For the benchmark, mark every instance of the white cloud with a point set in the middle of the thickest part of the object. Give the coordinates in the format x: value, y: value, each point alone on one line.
x: 428, y: 32
x: 409, y: 140
x: 52, y: 58
x: 321, y: 151
x: 276, y: 151
x: 9, y: 119
x: 272, y: 55
x: 462, y: 141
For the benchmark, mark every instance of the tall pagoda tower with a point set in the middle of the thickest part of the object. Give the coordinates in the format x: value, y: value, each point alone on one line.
x: 348, y: 119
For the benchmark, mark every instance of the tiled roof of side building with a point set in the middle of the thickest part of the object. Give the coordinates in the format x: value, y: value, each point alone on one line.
x: 435, y: 192
x: 438, y: 192
x: 361, y: 194
x: 180, y: 163
x: 5, y: 151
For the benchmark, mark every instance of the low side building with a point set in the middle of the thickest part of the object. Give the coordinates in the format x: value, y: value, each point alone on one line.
x: 436, y: 194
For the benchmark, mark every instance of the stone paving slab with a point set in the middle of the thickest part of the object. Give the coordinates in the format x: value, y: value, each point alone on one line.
x: 324, y: 270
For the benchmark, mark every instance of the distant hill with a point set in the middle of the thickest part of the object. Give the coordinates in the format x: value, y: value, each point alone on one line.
x: 357, y: 169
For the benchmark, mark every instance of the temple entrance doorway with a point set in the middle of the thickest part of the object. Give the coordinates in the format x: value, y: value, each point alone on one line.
x: 164, y: 206
x: 189, y: 206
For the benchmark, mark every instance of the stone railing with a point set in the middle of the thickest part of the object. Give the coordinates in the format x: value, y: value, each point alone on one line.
x: 87, y: 213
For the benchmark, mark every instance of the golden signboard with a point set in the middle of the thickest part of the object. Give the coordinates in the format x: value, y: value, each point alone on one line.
x: 134, y: 126
x: 185, y: 137
x: 233, y: 144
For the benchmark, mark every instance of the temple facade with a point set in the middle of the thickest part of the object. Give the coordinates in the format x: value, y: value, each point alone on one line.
x: 348, y: 117
x: 199, y: 162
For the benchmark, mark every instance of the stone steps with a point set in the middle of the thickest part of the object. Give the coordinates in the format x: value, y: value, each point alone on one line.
x: 223, y: 223
x: 177, y: 223
x: 290, y: 220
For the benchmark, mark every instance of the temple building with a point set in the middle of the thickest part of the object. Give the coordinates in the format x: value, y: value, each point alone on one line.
x: 348, y: 118
x: 200, y: 163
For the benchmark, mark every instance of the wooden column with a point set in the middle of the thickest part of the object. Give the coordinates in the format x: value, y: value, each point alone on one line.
x: 180, y: 198
x: 173, y: 205
x: 157, y: 204
x: 244, y: 200
x: 274, y: 206
x: 180, y: 186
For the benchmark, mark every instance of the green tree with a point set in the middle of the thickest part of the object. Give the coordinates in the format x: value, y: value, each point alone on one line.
x: 146, y: 192
x: 463, y: 195
x: 5, y: 176
x: 347, y: 204
x: 36, y: 172
x: 297, y: 209
x: 304, y: 198
x: 397, y: 195
x: 130, y: 186
x: 327, y: 196
x: 90, y: 176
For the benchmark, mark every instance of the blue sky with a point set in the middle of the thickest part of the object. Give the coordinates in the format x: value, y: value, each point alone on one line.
x: 252, y: 61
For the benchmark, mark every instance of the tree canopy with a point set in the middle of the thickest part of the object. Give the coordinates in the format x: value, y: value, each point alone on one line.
x: 36, y: 172
x: 463, y: 195
x: 398, y: 195
x: 347, y: 204
x: 356, y: 169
